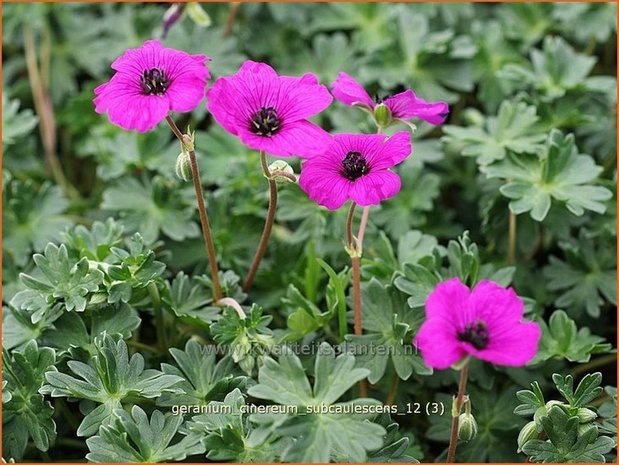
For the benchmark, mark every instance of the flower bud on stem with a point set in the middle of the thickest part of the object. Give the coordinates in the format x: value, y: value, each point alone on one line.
x: 455, y: 414
x: 188, y: 145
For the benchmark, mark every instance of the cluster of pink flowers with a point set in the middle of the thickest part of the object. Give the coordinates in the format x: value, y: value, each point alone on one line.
x: 270, y: 113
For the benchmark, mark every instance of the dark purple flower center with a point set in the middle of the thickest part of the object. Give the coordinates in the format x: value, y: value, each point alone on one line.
x: 265, y: 122
x: 381, y: 98
x: 354, y: 166
x: 154, y: 82
x: 475, y: 334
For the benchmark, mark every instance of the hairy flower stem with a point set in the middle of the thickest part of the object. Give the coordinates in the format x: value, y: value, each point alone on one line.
x: 268, y: 224
x: 206, y: 228
x: 455, y: 414
x: 511, y: 239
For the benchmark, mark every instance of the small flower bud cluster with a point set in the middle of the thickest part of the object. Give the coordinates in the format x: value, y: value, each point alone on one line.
x: 533, y: 429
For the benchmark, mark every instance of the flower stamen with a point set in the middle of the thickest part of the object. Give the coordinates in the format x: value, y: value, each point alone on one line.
x: 354, y: 166
x: 154, y: 82
x: 265, y: 122
x: 475, y: 334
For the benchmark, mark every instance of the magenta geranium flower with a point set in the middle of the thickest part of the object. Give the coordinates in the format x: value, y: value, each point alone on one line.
x: 357, y: 167
x: 485, y: 323
x: 269, y: 112
x: 150, y: 81
x: 402, y: 106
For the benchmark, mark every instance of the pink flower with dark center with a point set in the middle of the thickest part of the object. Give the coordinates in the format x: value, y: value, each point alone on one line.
x: 485, y: 323
x: 357, y: 167
x: 269, y: 112
x: 402, y: 106
x: 150, y: 81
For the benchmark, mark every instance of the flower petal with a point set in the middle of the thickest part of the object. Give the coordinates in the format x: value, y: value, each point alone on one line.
x: 301, y: 97
x: 300, y: 138
x: 447, y: 303
x: 126, y: 107
x: 374, y: 187
x: 492, y: 303
x: 325, y: 187
x: 438, y: 344
x: 395, y: 150
x: 407, y: 105
x: 350, y: 92
x: 515, y: 345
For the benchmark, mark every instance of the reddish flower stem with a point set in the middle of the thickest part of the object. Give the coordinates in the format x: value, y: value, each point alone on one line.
x: 353, y: 249
x: 268, y: 224
x: 204, y: 222
x: 453, y: 437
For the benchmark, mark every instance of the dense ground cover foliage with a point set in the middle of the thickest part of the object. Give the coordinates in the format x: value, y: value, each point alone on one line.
x: 113, y: 326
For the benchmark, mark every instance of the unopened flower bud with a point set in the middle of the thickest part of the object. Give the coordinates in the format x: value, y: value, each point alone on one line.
x: 467, y: 427
x: 247, y: 364
x: 473, y: 117
x: 543, y: 411
x: 198, y: 15
x: 282, y: 172
x: 382, y: 115
x: 183, y: 167
x: 528, y: 432
x: 586, y: 415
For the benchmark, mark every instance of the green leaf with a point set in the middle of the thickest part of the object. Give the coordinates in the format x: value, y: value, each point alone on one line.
x: 71, y: 330
x: 586, y: 280
x: 559, y: 174
x: 564, y: 443
x: 428, y: 58
x: 190, y: 300
x: 389, y: 325
x: 32, y: 216
x: 246, y: 339
x: 561, y: 339
x: 26, y: 414
x: 133, y: 437
x: 136, y: 269
x: 204, y: 379
x: 110, y: 378
x: 15, y: 123
x: 514, y: 128
x: 554, y: 70
x: 305, y: 317
x: 320, y: 436
x: 228, y: 434
x: 150, y: 207
x: 97, y: 242
x: 587, y: 390
x: 65, y: 282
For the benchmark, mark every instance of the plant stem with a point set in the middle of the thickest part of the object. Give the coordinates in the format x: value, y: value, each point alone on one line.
x: 162, y: 339
x: 45, y: 112
x: 598, y: 362
x: 268, y: 224
x: 204, y: 222
x: 234, y: 9
x: 511, y: 239
x: 139, y: 345
x: 395, y: 381
x: 353, y: 250
x: 453, y: 437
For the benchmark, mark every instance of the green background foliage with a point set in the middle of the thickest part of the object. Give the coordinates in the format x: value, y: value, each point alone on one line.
x: 108, y: 321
